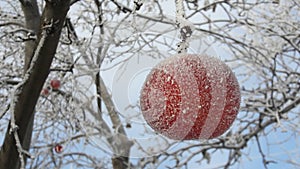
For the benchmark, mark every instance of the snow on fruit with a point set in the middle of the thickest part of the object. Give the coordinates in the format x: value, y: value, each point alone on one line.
x: 55, y: 84
x: 188, y: 97
x: 58, y: 148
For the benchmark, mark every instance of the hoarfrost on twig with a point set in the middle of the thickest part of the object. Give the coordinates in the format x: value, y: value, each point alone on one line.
x: 186, y: 27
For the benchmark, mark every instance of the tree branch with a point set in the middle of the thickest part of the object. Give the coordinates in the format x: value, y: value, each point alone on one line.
x: 119, y: 142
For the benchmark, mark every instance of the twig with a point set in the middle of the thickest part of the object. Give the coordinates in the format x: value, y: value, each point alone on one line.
x: 15, y: 95
x: 4, y: 112
x: 186, y: 27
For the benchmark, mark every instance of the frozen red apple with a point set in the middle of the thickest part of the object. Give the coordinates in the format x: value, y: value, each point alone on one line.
x: 188, y: 97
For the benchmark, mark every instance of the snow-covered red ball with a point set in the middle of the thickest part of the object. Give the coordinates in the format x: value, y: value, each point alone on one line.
x: 189, y: 96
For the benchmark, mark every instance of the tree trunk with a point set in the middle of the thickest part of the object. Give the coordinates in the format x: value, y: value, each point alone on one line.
x: 52, y: 21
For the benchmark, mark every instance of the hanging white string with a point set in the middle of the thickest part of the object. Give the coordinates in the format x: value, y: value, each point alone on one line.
x: 186, y: 27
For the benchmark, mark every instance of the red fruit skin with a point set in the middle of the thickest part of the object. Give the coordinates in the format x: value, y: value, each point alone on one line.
x: 55, y: 84
x: 189, y: 97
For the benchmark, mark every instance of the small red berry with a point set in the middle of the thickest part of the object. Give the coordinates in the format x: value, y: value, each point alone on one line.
x: 55, y: 84
x: 58, y: 148
x: 45, y: 92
